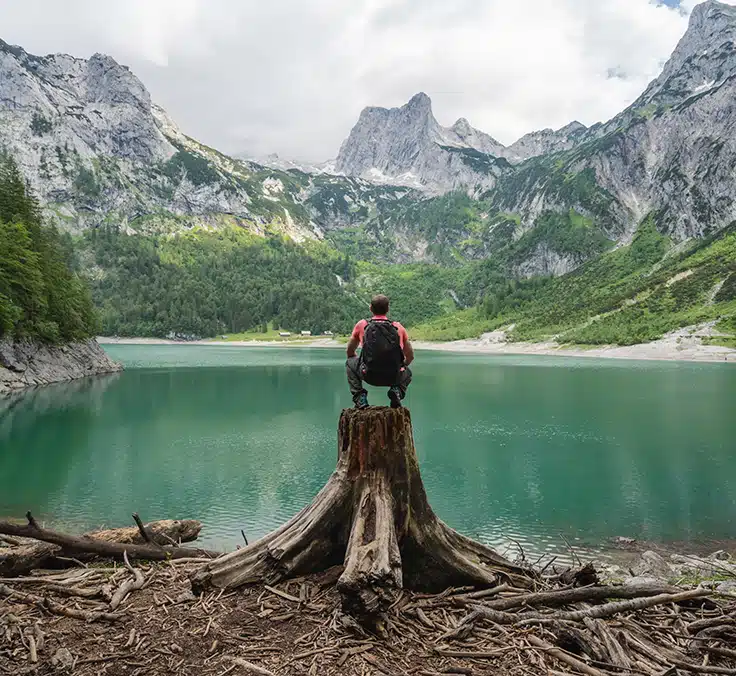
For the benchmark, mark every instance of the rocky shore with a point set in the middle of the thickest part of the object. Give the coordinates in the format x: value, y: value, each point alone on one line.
x: 29, y: 363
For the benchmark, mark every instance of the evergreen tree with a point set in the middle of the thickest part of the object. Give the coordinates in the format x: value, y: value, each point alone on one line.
x: 40, y: 296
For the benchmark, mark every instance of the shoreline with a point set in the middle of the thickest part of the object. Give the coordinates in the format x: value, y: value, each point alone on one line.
x: 25, y: 364
x: 679, y: 346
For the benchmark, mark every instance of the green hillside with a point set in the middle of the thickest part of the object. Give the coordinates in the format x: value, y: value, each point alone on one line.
x: 631, y: 295
x: 207, y: 283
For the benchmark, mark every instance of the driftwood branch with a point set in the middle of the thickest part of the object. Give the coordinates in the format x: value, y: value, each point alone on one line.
x: 250, y: 667
x: 128, y: 586
x: 90, y: 545
x: 141, y: 528
x: 588, y: 594
x: 596, y: 612
x: 493, y: 610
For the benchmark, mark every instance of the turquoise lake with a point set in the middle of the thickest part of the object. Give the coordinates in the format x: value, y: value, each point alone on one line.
x: 527, y: 449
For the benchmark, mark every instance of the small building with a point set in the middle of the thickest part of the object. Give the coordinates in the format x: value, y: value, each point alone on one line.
x: 284, y: 334
x: 306, y: 333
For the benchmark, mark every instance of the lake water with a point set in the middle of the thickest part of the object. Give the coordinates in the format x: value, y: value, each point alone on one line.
x: 511, y: 448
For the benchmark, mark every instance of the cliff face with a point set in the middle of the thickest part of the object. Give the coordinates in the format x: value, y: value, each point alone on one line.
x: 28, y: 364
x: 97, y: 150
x: 670, y: 154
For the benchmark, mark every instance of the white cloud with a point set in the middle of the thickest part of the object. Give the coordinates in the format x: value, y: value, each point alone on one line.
x: 292, y: 76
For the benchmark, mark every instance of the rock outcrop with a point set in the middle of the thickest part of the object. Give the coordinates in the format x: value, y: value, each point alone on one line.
x: 670, y: 154
x: 407, y: 146
x: 96, y: 150
x: 27, y: 363
x: 545, y: 141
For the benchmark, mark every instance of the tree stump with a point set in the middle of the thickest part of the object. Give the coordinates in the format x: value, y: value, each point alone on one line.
x: 374, y: 516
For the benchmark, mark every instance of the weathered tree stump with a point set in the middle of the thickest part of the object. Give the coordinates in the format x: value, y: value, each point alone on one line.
x: 374, y: 516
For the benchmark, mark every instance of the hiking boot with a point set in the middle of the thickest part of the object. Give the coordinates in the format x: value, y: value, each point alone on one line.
x: 394, y: 394
x: 362, y: 401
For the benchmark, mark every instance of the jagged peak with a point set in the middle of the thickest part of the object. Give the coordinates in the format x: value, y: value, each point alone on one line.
x: 571, y: 128
x: 419, y: 100
x: 15, y: 50
x: 105, y: 58
x: 462, y: 125
x: 709, y: 10
x: 419, y: 104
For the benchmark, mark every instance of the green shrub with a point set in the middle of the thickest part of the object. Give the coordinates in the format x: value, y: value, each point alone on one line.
x: 196, y: 168
x: 40, y: 125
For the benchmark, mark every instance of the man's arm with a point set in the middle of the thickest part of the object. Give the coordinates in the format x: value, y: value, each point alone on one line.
x: 353, y: 344
x: 408, y: 353
x: 408, y: 349
x: 355, y: 338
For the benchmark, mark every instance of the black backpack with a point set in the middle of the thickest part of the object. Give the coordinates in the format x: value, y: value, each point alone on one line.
x: 382, y: 355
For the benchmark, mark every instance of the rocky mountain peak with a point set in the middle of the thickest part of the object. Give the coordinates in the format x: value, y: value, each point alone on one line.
x: 419, y: 102
x: 462, y: 126
x: 704, y: 58
x: 572, y: 128
x: 711, y: 11
x: 408, y: 146
x: 62, y: 114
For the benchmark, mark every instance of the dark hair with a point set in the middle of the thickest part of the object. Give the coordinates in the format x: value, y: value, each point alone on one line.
x: 379, y: 305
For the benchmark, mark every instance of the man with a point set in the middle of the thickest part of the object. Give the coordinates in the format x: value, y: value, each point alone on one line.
x: 384, y: 358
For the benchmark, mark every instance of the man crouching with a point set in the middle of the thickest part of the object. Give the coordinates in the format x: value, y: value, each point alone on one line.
x: 384, y: 358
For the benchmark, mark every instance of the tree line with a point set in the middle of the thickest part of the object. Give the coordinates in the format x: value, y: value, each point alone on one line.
x: 42, y: 297
x: 205, y: 283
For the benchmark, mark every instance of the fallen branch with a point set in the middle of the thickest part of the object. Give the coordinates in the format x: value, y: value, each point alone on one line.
x: 588, y: 594
x: 562, y: 656
x: 697, y: 626
x: 141, y: 528
x: 57, y: 608
x: 596, y: 612
x: 249, y: 666
x: 492, y: 609
x: 128, y: 586
x: 90, y: 545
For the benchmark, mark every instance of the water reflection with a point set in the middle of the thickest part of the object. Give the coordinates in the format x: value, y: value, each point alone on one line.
x: 511, y: 448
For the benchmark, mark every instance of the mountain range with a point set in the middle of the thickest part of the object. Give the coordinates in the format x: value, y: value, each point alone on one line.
x: 97, y: 151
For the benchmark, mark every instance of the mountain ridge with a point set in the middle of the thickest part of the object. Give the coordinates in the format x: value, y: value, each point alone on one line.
x: 98, y: 151
x: 407, y: 146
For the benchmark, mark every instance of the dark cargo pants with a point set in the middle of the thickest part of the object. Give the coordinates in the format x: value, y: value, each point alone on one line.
x: 355, y: 379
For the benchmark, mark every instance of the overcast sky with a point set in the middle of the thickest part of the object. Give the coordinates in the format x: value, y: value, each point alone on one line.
x: 291, y: 76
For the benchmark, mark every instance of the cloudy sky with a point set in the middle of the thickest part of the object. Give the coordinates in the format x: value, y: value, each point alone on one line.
x: 291, y: 76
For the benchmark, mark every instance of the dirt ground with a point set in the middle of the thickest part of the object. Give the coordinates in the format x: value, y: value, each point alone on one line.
x: 297, y: 627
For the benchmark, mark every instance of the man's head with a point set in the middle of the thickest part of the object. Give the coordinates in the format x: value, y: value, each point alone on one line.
x: 379, y: 305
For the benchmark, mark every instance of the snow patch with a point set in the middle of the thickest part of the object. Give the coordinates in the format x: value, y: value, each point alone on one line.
x: 708, y: 84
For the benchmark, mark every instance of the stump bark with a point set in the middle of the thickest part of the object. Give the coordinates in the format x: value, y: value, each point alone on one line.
x: 373, y: 516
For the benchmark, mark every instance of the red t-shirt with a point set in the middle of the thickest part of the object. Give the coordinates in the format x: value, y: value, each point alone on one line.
x: 359, y: 330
